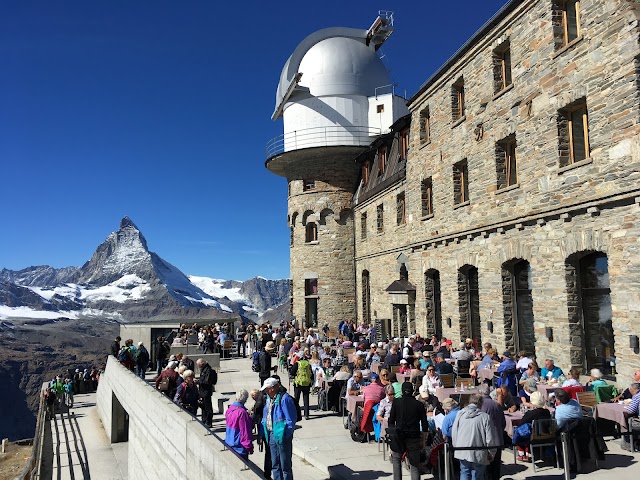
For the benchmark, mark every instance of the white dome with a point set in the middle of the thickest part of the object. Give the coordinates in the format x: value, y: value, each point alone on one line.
x: 342, y: 66
x: 333, y: 61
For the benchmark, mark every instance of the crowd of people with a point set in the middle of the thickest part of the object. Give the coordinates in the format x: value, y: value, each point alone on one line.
x: 60, y: 391
x: 354, y: 363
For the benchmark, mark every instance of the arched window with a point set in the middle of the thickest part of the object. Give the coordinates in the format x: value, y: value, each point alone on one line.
x: 433, y: 303
x: 517, y: 304
x: 469, y: 304
x: 404, y: 273
x: 311, y: 232
x: 366, y: 297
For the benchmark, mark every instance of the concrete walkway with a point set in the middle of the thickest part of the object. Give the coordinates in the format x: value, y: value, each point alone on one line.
x: 80, y: 448
x: 323, y: 442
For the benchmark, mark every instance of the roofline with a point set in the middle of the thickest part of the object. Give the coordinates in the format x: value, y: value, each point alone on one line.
x: 492, y: 22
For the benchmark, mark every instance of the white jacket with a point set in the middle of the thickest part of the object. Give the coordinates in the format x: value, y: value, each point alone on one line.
x: 472, y: 428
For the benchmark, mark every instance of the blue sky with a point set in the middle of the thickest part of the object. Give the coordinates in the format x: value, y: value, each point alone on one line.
x: 160, y: 110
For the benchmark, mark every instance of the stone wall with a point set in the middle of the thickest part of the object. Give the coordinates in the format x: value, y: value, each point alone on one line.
x: 554, y: 210
x: 164, y: 441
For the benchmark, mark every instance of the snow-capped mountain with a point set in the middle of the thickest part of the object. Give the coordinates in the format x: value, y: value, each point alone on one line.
x: 123, y: 279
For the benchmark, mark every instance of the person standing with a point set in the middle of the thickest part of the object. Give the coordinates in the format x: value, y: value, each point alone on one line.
x: 162, y: 352
x: 407, y: 416
x: 187, y: 393
x: 208, y: 378
x: 472, y: 428
x: 496, y: 414
x: 303, y: 379
x: 239, y: 426
x: 142, y: 360
x: 278, y: 421
x: 115, y: 346
x: 265, y: 362
x: 242, y: 340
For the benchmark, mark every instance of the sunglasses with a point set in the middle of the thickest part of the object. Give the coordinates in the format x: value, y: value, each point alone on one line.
x: 384, y: 375
x: 430, y: 370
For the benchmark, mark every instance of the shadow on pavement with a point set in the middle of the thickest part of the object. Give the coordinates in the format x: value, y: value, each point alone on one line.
x: 342, y: 472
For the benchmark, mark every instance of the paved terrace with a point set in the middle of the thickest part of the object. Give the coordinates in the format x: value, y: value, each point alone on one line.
x: 322, y: 448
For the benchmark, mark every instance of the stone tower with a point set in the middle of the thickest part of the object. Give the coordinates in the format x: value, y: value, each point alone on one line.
x: 335, y: 97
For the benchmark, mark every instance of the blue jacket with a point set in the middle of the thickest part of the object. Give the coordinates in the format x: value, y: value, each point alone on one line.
x: 239, y: 426
x: 283, y: 417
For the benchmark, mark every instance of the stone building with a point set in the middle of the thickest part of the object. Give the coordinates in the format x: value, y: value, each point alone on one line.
x: 505, y: 207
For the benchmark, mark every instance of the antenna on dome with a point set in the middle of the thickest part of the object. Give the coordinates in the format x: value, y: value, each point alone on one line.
x: 381, y: 29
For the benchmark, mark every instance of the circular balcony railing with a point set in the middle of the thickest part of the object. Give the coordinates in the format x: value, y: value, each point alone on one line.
x: 321, y: 137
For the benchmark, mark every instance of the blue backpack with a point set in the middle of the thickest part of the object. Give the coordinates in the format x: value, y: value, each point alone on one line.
x: 255, y: 362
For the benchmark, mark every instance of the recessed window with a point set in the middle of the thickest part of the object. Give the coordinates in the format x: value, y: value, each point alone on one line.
x: 502, y: 67
x: 457, y: 100
x: 427, y: 197
x: 311, y: 232
x: 380, y: 108
x: 310, y: 286
x: 308, y: 185
x: 363, y: 226
x: 291, y: 231
x: 425, y: 126
x: 506, y: 163
x: 380, y: 218
x: 573, y: 133
x: 404, y: 144
x: 382, y: 159
x: 365, y: 173
x: 566, y: 22
x: 401, y: 209
x: 461, y: 182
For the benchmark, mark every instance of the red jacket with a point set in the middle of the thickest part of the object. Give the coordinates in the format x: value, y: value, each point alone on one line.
x: 366, y: 424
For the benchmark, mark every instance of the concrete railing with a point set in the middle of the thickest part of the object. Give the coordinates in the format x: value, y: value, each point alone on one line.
x: 165, y: 442
x: 33, y: 467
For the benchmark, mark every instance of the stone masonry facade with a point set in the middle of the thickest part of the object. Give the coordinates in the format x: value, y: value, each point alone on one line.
x: 571, y: 117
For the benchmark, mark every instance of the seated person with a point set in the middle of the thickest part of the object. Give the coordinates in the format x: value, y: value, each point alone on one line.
x: 374, y: 391
x: 425, y: 361
x: 372, y: 355
x: 530, y: 373
x: 431, y: 379
x: 384, y: 408
x: 355, y: 383
x: 343, y: 374
x: 523, y: 361
x: 442, y: 367
x: 490, y: 358
x: 462, y: 353
x: 633, y: 409
x: 503, y: 397
x: 445, y: 348
x: 384, y: 377
x: 573, y: 379
x: 595, y: 379
x: 550, y: 370
x: 507, y: 363
x: 627, y: 394
x: 392, y: 358
x: 525, y: 392
x: 537, y: 412
x: 404, y: 366
x: 567, y: 409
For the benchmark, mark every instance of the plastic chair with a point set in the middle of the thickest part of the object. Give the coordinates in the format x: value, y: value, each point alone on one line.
x: 463, y: 367
x: 226, y: 348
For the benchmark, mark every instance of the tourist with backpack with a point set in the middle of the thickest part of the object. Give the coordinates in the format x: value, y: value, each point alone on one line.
x: 167, y: 381
x: 187, y: 393
x: 264, y: 362
x: 142, y: 360
x: 303, y: 380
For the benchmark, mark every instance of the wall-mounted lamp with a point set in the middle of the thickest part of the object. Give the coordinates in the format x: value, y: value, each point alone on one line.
x: 634, y: 344
x: 548, y: 331
x: 490, y: 326
x: 449, y: 322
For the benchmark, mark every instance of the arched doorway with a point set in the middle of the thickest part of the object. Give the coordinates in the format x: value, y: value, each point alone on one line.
x: 469, y: 304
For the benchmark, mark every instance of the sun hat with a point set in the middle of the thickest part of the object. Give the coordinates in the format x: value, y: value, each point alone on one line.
x: 425, y: 354
x: 536, y: 399
x: 270, y: 346
x: 449, y: 403
x: 403, y: 361
x: 424, y: 391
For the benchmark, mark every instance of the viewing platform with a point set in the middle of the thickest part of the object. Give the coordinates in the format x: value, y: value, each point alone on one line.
x: 129, y: 430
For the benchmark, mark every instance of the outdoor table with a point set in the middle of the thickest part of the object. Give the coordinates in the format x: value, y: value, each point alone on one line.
x: 352, y: 403
x: 375, y: 367
x: 443, y: 393
x: 512, y: 420
x: 325, y: 384
x: 613, y: 412
x: 450, y: 361
x: 545, y: 389
x: 485, y: 374
x: 351, y: 357
x: 402, y: 377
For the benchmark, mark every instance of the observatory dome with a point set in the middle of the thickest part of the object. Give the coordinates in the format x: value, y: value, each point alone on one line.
x: 333, y: 61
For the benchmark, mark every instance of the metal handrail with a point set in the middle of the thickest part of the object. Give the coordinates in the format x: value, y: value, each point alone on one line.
x: 392, y: 89
x: 321, y: 137
x: 32, y: 469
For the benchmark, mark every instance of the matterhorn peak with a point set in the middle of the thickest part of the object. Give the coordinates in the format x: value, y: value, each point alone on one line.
x: 127, y: 222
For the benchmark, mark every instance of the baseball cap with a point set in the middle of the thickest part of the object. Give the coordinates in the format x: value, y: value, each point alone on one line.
x: 270, y: 382
x: 403, y: 361
x: 424, y: 391
x: 449, y: 403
